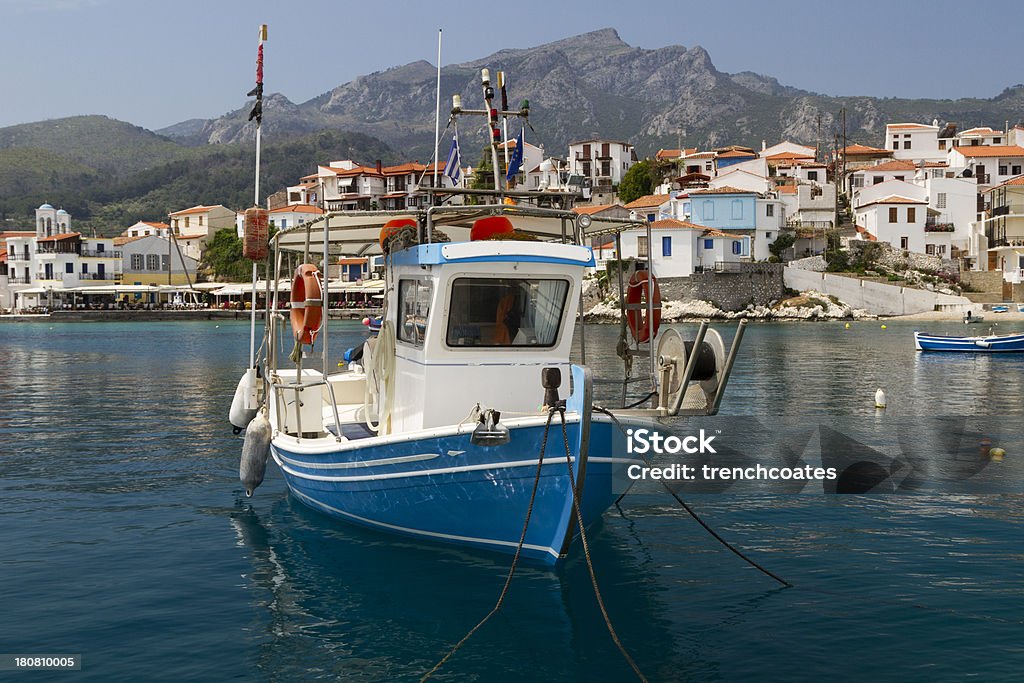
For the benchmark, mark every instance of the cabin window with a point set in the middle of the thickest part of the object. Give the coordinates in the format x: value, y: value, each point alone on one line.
x: 413, y: 310
x: 506, y: 311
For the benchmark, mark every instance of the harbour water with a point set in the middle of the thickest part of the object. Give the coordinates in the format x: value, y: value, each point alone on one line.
x: 127, y: 538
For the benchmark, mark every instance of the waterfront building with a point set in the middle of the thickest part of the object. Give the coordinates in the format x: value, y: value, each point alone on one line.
x: 153, y: 260
x: 680, y: 248
x: 989, y: 165
x: 1003, y: 232
x: 194, y: 226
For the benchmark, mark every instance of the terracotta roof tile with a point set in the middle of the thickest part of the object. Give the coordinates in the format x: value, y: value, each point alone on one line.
x: 783, y: 156
x: 908, y: 126
x: 894, y: 165
x: 867, y: 235
x: 735, y: 153
x: 60, y: 237
x: 648, y: 201
x: 596, y: 208
x: 298, y: 208
x: 711, y: 232
x: 989, y: 151
x: 864, y: 149
x: 674, y: 223
x: 668, y: 154
x: 725, y: 189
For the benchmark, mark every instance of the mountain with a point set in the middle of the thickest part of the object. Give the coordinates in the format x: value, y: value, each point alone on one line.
x: 103, y: 144
x: 596, y: 84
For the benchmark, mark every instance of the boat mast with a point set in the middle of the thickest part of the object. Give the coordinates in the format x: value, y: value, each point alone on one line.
x: 492, y: 120
x: 257, y: 113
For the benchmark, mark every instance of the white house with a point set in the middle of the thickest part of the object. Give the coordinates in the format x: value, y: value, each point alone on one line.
x: 146, y: 228
x: 741, y: 179
x: 914, y: 141
x: 295, y: 214
x: 1003, y: 231
x: 901, y: 221
x: 678, y: 248
x: 603, y: 162
x: 980, y: 136
x: 788, y: 147
x: 990, y: 165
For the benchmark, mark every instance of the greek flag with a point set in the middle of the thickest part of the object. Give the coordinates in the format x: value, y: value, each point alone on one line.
x: 453, y: 169
x: 516, y: 160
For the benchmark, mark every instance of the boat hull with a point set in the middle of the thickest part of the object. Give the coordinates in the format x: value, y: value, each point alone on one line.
x: 1009, y: 343
x: 445, y: 488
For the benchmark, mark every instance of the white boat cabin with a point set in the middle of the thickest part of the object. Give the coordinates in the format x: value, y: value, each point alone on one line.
x: 470, y: 317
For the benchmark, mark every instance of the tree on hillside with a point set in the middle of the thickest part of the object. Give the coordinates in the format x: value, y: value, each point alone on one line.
x: 638, y: 181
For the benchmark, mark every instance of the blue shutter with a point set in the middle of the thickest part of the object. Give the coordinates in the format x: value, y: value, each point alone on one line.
x: 709, y: 244
x: 666, y: 245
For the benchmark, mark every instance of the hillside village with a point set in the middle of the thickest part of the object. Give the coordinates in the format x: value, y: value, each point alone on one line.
x: 931, y: 206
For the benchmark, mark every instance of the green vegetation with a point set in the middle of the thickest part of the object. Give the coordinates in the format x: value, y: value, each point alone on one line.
x: 783, y: 242
x: 215, y: 174
x: 639, y: 181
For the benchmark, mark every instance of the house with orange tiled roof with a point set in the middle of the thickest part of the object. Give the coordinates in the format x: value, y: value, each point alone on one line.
x: 284, y: 217
x: 857, y: 156
x: 897, y: 212
x: 980, y: 135
x: 914, y: 141
x: 144, y: 228
x: 194, y: 226
x: 990, y: 165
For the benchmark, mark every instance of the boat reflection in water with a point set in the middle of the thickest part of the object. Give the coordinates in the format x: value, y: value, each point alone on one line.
x: 348, y: 603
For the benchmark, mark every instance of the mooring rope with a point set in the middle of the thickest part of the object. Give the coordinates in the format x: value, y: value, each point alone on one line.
x: 586, y: 553
x: 693, y: 514
x: 515, y: 558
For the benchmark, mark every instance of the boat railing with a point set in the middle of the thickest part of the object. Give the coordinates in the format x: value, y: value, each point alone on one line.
x: 298, y: 386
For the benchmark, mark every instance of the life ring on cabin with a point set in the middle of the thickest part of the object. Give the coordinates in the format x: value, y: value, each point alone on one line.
x: 638, y: 293
x: 307, y: 304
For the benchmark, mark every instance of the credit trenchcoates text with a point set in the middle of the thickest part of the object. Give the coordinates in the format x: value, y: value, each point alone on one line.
x: 819, y: 455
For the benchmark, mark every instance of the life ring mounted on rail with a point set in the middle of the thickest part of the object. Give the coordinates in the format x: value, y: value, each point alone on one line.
x: 639, y: 292
x: 307, y: 303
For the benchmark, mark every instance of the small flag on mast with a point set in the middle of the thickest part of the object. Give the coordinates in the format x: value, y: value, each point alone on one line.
x: 453, y: 168
x: 517, y: 159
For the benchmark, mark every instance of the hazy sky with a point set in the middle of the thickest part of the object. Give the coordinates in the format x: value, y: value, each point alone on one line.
x: 158, y: 63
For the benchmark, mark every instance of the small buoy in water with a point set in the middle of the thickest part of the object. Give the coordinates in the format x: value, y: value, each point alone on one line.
x: 880, y: 399
x: 366, y: 322
x: 216, y: 327
x: 997, y: 454
x: 883, y: 327
x: 847, y: 325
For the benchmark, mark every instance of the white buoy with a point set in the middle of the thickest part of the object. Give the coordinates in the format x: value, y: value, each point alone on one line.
x: 880, y: 399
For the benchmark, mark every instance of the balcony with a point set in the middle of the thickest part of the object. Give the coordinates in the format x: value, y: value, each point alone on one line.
x: 102, y: 277
x: 930, y: 226
x: 984, y: 178
x: 92, y: 253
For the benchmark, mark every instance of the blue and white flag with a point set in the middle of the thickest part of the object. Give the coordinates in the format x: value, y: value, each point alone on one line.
x: 453, y: 169
x: 516, y: 160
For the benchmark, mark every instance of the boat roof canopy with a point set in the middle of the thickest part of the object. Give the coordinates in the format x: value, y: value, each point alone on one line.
x: 358, y: 232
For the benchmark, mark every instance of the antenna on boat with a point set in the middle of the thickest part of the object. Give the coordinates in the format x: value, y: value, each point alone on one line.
x: 492, y: 121
x: 437, y: 110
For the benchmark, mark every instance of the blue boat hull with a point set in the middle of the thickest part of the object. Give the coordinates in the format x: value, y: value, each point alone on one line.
x: 1008, y: 343
x: 445, y: 488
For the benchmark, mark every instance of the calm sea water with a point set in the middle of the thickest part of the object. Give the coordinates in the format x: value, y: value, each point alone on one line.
x: 126, y: 537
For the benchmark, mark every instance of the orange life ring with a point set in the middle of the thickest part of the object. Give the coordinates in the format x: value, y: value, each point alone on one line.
x: 307, y: 304
x: 637, y: 296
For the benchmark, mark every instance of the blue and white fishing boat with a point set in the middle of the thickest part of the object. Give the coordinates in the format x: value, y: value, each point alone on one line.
x: 437, y: 432
x: 991, y: 343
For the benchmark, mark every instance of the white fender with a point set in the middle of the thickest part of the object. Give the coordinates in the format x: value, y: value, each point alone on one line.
x: 244, y: 403
x: 255, y: 450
